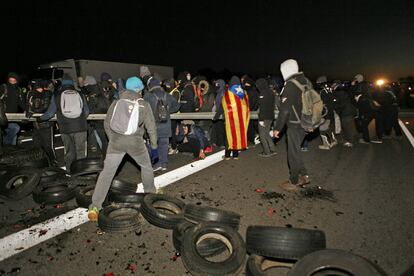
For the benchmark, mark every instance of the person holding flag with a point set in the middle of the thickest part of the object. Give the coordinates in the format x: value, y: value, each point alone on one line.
x: 236, y: 113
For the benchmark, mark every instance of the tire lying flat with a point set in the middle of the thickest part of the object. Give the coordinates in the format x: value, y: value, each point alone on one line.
x: 17, y: 183
x: 119, y: 218
x: 283, y: 243
x: 122, y: 186
x: 86, y: 166
x: 136, y: 198
x: 152, y: 206
x: 333, y: 262
x: 59, y: 191
x: 258, y: 265
x: 194, y: 213
x: 50, y: 174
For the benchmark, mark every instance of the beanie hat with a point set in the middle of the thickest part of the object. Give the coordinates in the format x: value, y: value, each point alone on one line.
x: 288, y: 68
x: 144, y: 71
x: 67, y: 80
x: 13, y: 75
x: 153, y: 82
x: 105, y: 76
x: 134, y: 84
x: 359, y: 78
x: 89, y: 80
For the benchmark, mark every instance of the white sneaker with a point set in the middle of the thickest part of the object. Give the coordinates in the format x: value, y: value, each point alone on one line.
x: 348, y: 144
x: 172, y: 151
x: 324, y: 147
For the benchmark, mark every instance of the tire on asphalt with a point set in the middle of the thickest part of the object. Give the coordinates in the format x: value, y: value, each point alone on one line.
x: 17, y: 183
x: 194, y: 213
x: 258, y: 265
x: 283, y: 243
x: 206, y: 248
x: 50, y: 174
x: 86, y: 166
x: 119, y: 218
x: 40, y: 164
x: 152, y: 209
x: 136, y: 198
x: 84, y: 196
x: 333, y: 262
x: 59, y: 191
x: 21, y: 156
x: 198, y: 265
x: 122, y: 186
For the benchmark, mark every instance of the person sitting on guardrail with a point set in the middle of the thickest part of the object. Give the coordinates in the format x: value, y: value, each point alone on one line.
x: 71, y: 109
x: 125, y: 123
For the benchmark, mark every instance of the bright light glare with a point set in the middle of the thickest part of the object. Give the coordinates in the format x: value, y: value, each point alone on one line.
x: 380, y: 82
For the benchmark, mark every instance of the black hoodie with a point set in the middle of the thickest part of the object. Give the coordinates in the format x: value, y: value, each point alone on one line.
x: 266, y: 100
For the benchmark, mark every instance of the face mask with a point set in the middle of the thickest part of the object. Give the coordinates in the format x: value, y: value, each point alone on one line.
x: 188, y: 77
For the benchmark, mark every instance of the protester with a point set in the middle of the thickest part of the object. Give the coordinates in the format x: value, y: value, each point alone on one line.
x: 72, y: 110
x: 390, y: 110
x: 253, y: 96
x: 191, y: 138
x: 122, y: 143
x: 218, y: 133
x: 291, y: 98
x: 187, y: 91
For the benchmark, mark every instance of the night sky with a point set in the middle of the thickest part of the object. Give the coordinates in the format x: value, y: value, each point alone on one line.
x: 334, y: 38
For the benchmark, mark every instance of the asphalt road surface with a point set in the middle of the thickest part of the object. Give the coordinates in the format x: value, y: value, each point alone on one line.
x: 366, y: 207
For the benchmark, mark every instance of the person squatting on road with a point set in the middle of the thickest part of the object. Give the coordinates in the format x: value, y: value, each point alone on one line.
x: 125, y: 123
x: 191, y: 138
x: 291, y: 97
x: 71, y: 110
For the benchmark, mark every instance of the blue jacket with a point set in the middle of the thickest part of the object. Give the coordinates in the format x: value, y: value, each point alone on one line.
x: 195, y: 132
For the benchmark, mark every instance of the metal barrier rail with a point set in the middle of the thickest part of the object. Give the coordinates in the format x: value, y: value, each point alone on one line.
x: 21, y: 117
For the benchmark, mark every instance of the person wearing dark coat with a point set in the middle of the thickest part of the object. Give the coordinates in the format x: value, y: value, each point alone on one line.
x: 218, y: 134
x: 191, y: 138
x: 14, y: 101
x: 291, y: 99
x: 266, y: 116
x: 154, y: 94
x: 390, y: 108
x: 187, y: 99
x: 253, y: 94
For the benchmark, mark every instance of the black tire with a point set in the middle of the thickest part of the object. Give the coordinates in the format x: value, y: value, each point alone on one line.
x: 51, y: 174
x: 258, y: 265
x: 150, y: 209
x: 119, y: 218
x: 206, y: 248
x: 125, y: 187
x: 283, y: 243
x: 21, y: 156
x: 59, y: 191
x: 333, y: 262
x: 86, y: 166
x: 198, y: 265
x: 84, y: 196
x: 126, y: 198
x: 40, y: 164
x: 19, y: 182
x: 194, y: 213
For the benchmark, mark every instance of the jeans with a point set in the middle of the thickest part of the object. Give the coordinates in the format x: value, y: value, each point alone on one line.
x: 10, y: 137
x: 295, y: 136
x: 265, y: 139
x: 162, y: 152
x: 111, y: 165
x: 75, y: 147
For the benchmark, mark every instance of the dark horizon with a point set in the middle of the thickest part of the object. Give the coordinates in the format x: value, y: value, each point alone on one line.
x: 335, y: 39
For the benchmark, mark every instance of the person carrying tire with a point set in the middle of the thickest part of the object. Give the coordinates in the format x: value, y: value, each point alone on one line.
x: 125, y: 123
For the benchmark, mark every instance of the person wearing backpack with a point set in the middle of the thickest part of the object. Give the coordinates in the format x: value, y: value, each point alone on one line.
x: 162, y: 105
x: 290, y: 106
x: 38, y: 101
x: 71, y: 110
x: 125, y: 124
x: 12, y: 96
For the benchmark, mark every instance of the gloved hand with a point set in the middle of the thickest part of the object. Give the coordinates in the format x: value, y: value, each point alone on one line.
x: 154, y: 154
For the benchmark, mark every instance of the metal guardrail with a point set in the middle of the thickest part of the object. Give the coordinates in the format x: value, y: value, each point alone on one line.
x: 19, y: 117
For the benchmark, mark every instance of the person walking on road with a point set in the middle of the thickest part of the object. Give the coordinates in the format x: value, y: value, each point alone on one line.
x: 128, y: 142
x: 291, y: 99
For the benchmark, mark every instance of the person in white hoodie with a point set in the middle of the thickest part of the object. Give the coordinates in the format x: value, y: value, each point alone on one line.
x: 291, y: 99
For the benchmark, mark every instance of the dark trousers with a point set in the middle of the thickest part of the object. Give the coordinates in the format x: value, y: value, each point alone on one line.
x: 265, y: 139
x: 348, y: 128
x: 75, y: 147
x: 218, y: 135
x: 252, y: 130
x: 100, y: 136
x: 193, y: 146
x: 295, y: 136
x: 391, y: 121
x: 43, y: 139
x: 364, y: 121
x: 173, y: 139
x: 379, y: 123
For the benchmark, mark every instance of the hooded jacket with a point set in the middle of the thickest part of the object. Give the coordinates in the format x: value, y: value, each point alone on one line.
x: 154, y: 91
x: 132, y: 144
x: 266, y: 100
x: 12, y: 97
x: 218, y: 108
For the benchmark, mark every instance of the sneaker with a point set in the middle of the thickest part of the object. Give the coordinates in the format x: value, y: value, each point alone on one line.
x: 289, y: 186
x: 172, y: 151
x: 164, y: 168
x: 362, y: 141
x: 235, y: 158
x: 334, y: 143
x: 348, y: 144
x: 304, y: 149
x: 376, y: 141
x: 262, y: 154
x: 226, y: 158
x: 93, y: 214
x: 157, y: 169
x: 208, y: 149
x: 324, y: 147
x: 273, y: 153
x: 159, y: 191
x: 303, y: 180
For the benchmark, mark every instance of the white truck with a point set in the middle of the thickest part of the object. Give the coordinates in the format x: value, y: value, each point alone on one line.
x: 83, y: 67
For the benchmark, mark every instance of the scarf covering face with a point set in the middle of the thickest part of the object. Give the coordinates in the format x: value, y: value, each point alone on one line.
x: 236, y: 115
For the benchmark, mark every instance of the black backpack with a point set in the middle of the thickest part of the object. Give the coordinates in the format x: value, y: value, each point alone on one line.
x: 161, y: 109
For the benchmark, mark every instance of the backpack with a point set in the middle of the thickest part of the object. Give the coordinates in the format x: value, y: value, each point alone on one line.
x: 312, y: 106
x: 125, y: 116
x: 71, y: 104
x: 161, y: 110
x: 39, y: 102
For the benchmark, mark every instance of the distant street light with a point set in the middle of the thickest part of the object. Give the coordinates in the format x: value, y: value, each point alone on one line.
x: 380, y: 82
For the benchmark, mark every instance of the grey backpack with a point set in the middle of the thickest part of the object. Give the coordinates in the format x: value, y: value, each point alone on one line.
x: 125, y: 117
x: 71, y: 104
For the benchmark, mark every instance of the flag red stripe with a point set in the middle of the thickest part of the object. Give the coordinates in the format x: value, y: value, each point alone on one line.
x: 242, y: 124
x: 231, y: 121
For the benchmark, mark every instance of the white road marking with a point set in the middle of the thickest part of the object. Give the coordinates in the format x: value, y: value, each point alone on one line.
x: 407, y: 132
x: 27, y: 238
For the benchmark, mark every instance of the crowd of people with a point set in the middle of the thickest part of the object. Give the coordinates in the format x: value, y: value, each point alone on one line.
x: 348, y: 110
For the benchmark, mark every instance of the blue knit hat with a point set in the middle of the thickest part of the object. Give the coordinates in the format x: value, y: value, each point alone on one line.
x: 135, y: 84
x: 67, y: 80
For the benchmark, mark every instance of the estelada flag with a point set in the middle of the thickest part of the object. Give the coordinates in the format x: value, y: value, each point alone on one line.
x: 236, y: 115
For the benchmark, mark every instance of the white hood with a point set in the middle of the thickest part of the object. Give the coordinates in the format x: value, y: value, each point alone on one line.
x: 288, y: 68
